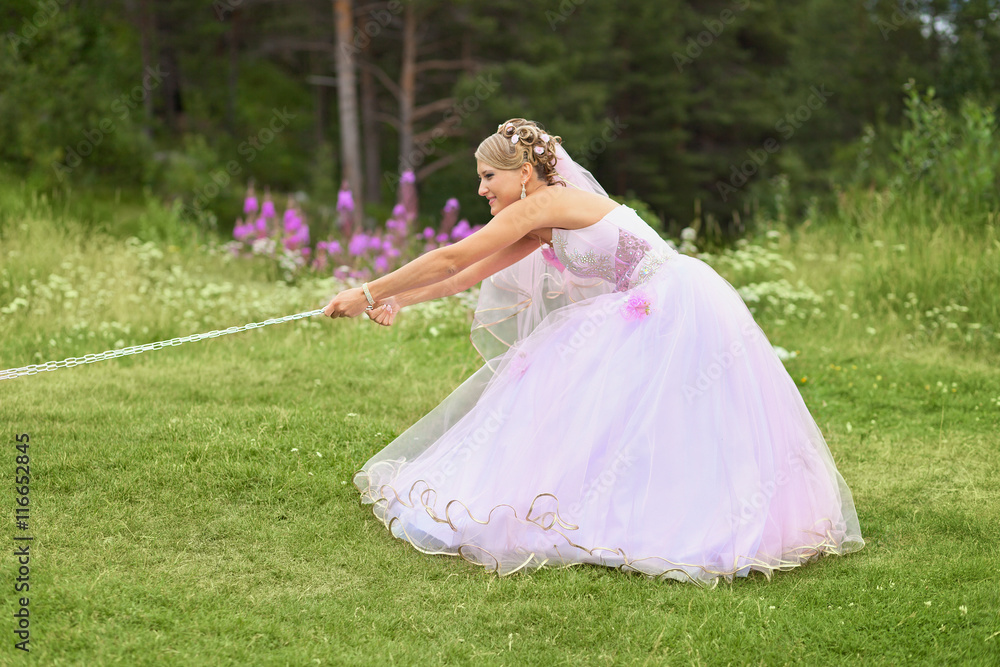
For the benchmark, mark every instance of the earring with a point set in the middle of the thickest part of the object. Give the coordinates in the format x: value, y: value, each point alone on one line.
x: 523, y: 193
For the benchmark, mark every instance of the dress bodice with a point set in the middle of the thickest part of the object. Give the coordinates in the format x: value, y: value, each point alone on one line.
x: 607, y: 251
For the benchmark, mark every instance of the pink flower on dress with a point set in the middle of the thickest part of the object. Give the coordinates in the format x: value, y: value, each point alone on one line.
x: 549, y: 255
x: 637, y: 306
x: 518, y: 365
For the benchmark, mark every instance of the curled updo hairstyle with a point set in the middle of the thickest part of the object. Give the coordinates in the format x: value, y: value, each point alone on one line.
x: 518, y: 141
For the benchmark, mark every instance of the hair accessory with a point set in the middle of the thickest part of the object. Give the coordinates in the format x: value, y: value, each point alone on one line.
x: 539, y: 150
x: 545, y: 137
x: 514, y: 139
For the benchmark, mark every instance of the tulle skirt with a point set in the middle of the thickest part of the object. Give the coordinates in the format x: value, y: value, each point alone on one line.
x: 654, y: 431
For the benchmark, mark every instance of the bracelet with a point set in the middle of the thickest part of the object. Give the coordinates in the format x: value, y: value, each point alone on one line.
x: 368, y: 295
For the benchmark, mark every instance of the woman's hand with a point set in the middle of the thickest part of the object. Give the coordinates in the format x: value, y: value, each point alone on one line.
x: 349, y: 303
x: 385, y: 312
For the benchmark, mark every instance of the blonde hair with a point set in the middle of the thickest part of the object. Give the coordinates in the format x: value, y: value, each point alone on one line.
x: 532, y: 145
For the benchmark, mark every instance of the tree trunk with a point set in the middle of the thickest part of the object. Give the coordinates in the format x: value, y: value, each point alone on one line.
x: 322, y: 102
x: 369, y: 129
x: 173, y: 110
x: 347, y: 97
x: 147, y: 45
x: 232, y: 79
x: 407, y: 88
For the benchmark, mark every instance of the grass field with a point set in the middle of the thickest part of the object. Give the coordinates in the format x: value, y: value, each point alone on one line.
x: 193, y: 505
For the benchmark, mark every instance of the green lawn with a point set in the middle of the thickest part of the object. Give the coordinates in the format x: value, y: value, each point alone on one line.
x: 193, y: 505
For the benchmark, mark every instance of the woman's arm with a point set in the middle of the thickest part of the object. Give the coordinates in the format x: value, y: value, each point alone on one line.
x: 506, y: 228
x: 471, y: 276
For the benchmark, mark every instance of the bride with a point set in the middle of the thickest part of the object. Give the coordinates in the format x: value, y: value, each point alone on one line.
x: 630, y: 413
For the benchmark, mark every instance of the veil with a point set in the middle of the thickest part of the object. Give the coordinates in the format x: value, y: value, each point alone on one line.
x: 515, y: 300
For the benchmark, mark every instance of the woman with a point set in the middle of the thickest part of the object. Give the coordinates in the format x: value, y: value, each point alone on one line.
x: 630, y: 413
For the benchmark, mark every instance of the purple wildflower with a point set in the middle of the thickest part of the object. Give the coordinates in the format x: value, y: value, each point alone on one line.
x: 449, y: 215
x: 408, y: 194
x: 461, y: 230
x: 267, y: 210
x: 358, y: 245
x: 242, y: 231
x: 250, y: 203
x: 293, y: 222
x: 345, y: 201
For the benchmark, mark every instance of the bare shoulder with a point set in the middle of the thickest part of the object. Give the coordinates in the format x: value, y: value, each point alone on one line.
x: 582, y: 209
x: 557, y: 206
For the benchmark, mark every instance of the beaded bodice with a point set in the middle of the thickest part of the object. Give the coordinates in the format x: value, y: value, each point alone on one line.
x: 604, y: 250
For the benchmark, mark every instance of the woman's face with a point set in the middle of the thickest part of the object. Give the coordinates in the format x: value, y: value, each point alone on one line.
x: 501, y: 187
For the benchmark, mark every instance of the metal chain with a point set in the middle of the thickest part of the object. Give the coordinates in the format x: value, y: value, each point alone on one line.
x: 12, y: 373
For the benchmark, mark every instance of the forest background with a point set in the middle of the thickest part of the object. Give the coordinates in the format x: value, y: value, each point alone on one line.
x: 704, y: 109
x: 837, y: 162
